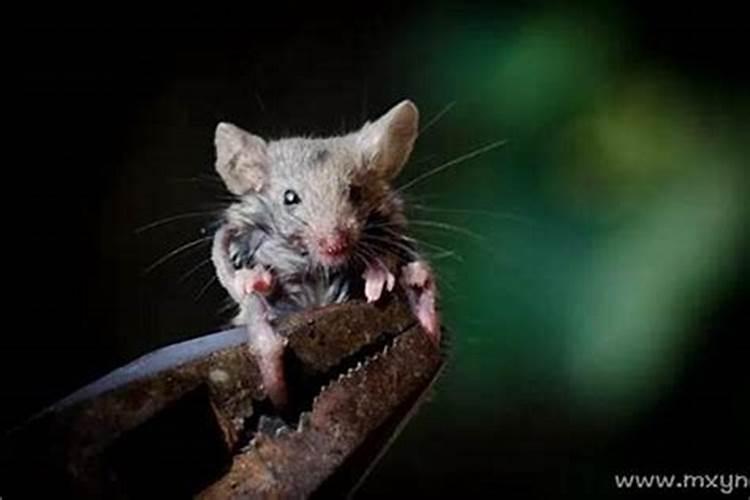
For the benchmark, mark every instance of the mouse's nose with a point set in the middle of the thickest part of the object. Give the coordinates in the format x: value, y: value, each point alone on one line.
x: 336, y: 244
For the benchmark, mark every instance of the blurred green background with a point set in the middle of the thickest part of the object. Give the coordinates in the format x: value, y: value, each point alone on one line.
x: 587, y: 247
x: 591, y: 251
x: 593, y: 268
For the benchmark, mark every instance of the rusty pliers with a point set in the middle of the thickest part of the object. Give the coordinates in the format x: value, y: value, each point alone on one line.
x: 191, y: 420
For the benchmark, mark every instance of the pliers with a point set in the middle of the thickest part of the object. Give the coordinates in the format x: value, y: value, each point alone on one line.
x: 191, y: 419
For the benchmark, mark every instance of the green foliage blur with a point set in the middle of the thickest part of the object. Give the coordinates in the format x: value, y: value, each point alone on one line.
x: 577, y: 259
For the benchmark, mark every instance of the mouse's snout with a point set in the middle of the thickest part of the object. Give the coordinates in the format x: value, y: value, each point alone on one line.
x: 335, y: 245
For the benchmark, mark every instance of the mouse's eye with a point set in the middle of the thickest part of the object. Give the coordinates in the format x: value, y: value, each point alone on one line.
x: 355, y: 193
x: 291, y: 197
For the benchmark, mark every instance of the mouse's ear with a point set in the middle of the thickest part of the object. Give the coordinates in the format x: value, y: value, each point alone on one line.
x: 240, y: 159
x: 387, y: 142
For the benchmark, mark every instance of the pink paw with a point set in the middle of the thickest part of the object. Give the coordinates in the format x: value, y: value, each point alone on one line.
x: 419, y: 283
x: 376, y: 278
x: 416, y: 274
x: 258, y: 279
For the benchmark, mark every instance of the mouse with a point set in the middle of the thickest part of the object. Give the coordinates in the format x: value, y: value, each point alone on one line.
x: 316, y: 221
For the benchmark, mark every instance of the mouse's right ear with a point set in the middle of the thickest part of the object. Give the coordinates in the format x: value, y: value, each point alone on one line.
x: 387, y: 142
x: 241, y: 159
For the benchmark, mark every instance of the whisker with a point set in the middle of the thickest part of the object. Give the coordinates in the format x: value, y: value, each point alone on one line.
x: 173, y: 218
x: 379, y: 249
x: 445, y: 255
x: 390, y: 241
x: 437, y: 117
x: 228, y: 306
x: 400, y: 235
x: 205, y: 287
x: 422, y: 242
x: 372, y: 253
x: 193, y: 270
x: 361, y: 259
x: 455, y: 161
x: 177, y: 251
x: 488, y: 213
x: 447, y: 227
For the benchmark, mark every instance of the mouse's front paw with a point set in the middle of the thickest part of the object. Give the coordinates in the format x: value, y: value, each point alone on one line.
x: 419, y: 283
x: 257, y: 279
x: 416, y: 274
x: 376, y: 278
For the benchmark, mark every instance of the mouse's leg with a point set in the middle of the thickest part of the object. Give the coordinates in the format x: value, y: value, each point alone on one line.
x: 265, y: 344
x: 377, y: 277
x: 419, y: 282
x: 267, y: 347
x: 248, y: 287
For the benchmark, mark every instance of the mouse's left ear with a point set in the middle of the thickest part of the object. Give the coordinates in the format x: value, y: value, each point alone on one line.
x: 387, y: 143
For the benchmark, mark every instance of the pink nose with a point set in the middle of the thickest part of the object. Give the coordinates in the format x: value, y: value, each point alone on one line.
x: 335, y: 245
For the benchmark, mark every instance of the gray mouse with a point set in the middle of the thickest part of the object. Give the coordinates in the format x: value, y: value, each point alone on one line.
x: 316, y: 221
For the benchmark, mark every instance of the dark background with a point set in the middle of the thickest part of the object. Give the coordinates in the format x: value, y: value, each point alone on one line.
x: 110, y: 128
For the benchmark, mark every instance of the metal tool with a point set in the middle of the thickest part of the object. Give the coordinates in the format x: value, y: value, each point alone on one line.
x: 190, y: 420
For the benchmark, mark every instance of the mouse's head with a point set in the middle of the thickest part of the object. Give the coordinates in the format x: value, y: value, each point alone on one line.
x: 321, y: 194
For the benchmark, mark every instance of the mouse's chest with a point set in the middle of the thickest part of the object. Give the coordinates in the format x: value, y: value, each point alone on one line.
x: 315, y: 289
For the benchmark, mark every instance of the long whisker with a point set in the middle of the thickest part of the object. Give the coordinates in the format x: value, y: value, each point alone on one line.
x: 172, y: 218
x: 372, y: 253
x: 177, y: 251
x: 488, y: 213
x: 437, y: 117
x: 447, y: 227
x: 444, y: 252
x: 446, y: 255
x: 455, y: 161
x: 193, y: 270
x: 411, y: 239
x: 227, y: 306
x: 205, y: 287
x: 359, y: 257
x: 376, y: 250
x: 422, y: 242
x: 389, y: 241
x: 385, y: 245
x: 429, y: 223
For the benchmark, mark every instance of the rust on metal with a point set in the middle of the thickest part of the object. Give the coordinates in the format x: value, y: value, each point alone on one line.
x: 191, y: 419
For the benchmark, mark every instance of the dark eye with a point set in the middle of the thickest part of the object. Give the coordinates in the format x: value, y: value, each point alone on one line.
x: 291, y: 197
x: 355, y: 193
